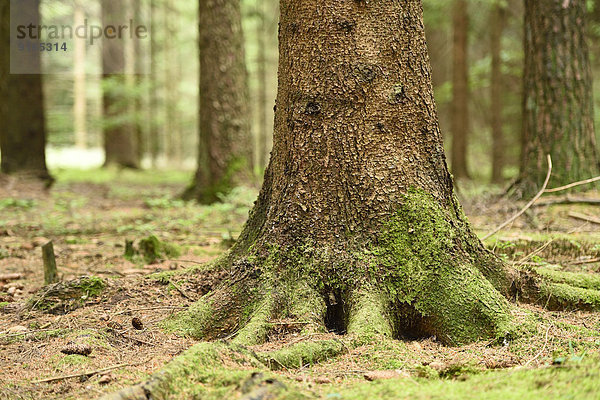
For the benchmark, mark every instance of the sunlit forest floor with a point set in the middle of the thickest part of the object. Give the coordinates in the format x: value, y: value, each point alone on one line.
x: 90, y: 217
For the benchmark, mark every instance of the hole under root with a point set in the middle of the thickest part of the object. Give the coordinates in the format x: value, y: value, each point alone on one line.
x: 410, y: 324
x: 336, y: 318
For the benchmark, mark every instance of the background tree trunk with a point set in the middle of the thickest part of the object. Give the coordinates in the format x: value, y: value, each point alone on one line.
x: 79, y: 91
x: 261, y: 63
x: 119, y: 141
x: 557, y: 101
x: 356, y: 226
x: 460, y: 90
x: 497, y: 21
x: 154, y: 102
x: 22, y: 128
x: 225, y: 146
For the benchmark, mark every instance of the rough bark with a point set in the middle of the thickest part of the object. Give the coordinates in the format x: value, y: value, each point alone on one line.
x: 557, y: 101
x: 120, y: 146
x: 173, y: 142
x: 357, y: 227
x: 23, y: 128
x: 460, y: 90
x: 497, y: 22
x: 154, y: 103
x: 225, y: 145
x: 261, y: 63
x: 79, y: 83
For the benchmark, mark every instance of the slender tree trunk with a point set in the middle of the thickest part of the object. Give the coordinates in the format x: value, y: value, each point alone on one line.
x: 154, y: 135
x: 119, y: 142
x: 357, y: 227
x: 261, y: 62
x: 79, y: 92
x: 557, y: 102
x: 460, y: 90
x: 172, y: 126
x: 497, y: 22
x: 22, y: 127
x: 225, y: 145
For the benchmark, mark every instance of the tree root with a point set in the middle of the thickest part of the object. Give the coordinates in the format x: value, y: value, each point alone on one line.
x: 558, y: 290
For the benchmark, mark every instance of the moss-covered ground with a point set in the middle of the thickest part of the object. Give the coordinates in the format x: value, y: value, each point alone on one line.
x: 90, y: 216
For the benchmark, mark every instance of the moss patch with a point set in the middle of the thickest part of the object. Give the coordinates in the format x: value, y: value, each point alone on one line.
x: 63, y: 297
x: 150, y: 250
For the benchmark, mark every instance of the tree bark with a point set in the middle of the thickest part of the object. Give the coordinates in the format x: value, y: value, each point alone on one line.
x: 497, y: 22
x: 154, y: 103
x: 79, y: 92
x: 261, y: 64
x: 357, y: 227
x: 557, y: 102
x: 225, y: 145
x: 23, y: 128
x: 460, y: 90
x: 120, y: 146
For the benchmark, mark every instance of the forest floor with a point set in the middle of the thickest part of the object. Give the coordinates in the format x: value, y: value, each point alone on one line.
x: 90, y: 216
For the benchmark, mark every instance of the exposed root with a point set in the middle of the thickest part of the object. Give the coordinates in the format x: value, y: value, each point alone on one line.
x: 257, y: 329
x: 557, y: 290
x: 302, y: 354
x: 368, y: 316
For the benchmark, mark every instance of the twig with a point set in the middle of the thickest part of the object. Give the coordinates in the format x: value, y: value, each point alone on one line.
x: 191, y: 261
x: 6, y: 335
x: 568, y: 200
x: 149, y: 308
x: 542, y: 350
x: 517, y: 215
x: 180, y: 290
x: 89, y: 373
x: 584, y: 217
x: 590, y: 261
x: 570, y: 185
x: 137, y: 340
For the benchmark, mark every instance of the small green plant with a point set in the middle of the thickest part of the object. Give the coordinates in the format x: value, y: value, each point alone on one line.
x: 10, y: 202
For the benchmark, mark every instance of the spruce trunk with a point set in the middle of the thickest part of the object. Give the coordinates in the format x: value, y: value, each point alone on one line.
x: 356, y: 227
x: 225, y: 147
x: 23, y: 128
x: 557, y: 103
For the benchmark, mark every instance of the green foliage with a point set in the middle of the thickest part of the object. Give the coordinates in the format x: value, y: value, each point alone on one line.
x: 24, y: 204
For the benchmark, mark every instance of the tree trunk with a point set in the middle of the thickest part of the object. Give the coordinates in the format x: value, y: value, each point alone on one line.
x: 497, y: 21
x: 172, y: 78
x: 357, y: 227
x: 557, y: 101
x: 79, y: 93
x: 460, y: 90
x: 119, y: 141
x: 261, y: 67
x: 154, y: 103
x: 225, y: 145
x: 22, y: 129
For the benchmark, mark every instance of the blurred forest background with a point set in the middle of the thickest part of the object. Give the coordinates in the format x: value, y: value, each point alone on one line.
x: 480, y: 40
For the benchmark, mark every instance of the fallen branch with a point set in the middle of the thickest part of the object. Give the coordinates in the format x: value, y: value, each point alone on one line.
x: 89, y: 373
x: 568, y: 200
x: 571, y: 185
x: 10, y: 277
x: 583, y: 217
x: 517, y: 215
x: 590, y: 261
